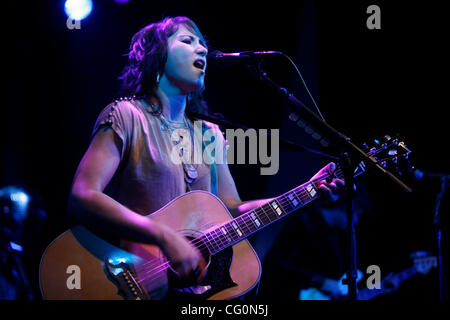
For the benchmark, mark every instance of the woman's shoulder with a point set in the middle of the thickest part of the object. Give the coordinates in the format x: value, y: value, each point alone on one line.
x: 125, y: 108
x: 125, y: 105
x: 123, y: 112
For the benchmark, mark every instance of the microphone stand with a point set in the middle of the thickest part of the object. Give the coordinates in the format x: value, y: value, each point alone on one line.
x: 443, y: 290
x: 349, y: 152
x: 285, y: 143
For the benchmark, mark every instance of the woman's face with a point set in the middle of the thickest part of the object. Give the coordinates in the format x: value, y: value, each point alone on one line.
x: 186, y: 61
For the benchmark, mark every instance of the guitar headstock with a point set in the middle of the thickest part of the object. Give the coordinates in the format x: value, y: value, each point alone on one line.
x: 423, y: 261
x: 390, y: 153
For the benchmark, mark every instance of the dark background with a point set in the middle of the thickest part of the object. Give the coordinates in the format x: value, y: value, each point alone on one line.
x: 367, y: 83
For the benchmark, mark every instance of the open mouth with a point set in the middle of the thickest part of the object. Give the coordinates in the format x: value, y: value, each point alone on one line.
x: 200, y: 64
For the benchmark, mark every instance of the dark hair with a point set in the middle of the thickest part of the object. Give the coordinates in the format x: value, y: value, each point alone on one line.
x: 147, y: 58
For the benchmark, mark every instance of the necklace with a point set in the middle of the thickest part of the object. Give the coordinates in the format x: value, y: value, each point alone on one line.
x: 190, y: 172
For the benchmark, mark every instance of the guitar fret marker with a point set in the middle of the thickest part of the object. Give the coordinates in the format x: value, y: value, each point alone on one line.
x: 255, y: 219
x: 293, y: 200
x: 276, y: 208
x: 312, y: 192
x: 237, y: 229
x: 224, y: 231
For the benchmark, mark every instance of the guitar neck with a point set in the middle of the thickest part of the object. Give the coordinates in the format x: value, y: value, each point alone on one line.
x: 367, y: 294
x: 250, y: 222
x: 406, y: 274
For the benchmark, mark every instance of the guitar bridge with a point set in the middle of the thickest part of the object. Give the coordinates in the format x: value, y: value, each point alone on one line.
x: 125, y: 279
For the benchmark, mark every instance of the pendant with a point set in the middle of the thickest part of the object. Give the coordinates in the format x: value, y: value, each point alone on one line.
x: 190, y: 173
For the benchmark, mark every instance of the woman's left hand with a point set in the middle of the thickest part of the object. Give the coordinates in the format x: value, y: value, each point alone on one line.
x: 330, y: 190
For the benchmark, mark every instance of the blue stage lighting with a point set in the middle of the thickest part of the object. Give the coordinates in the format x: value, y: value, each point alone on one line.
x: 78, y: 9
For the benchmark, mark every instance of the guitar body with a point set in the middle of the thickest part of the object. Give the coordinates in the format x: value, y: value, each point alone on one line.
x: 81, y: 265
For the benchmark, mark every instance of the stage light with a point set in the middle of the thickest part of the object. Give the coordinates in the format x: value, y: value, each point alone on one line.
x: 14, y: 203
x: 20, y: 197
x: 78, y: 9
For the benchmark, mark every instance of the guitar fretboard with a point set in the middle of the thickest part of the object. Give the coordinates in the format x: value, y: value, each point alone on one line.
x: 250, y: 222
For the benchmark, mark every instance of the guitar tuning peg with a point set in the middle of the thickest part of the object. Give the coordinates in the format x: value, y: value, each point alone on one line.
x: 387, y: 138
x: 403, y: 145
x: 376, y: 142
x: 365, y: 146
x: 294, y: 117
x: 392, y: 152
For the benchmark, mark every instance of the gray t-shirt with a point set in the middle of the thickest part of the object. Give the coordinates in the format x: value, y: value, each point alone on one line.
x: 147, y: 178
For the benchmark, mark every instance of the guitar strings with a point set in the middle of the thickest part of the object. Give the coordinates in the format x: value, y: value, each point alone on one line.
x: 247, y: 221
x: 303, y: 195
x: 154, y: 272
x: 199, y: 239
x: 215, y: 238
x: 245, y: 218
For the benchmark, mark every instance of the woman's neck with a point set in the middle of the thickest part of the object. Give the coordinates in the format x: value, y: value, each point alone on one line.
x: 172, y: 100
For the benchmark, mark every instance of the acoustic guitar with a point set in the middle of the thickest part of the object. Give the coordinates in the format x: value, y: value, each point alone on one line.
x: 80, y: 264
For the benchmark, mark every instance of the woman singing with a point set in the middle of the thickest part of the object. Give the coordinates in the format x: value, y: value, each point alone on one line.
x: 128, y: 172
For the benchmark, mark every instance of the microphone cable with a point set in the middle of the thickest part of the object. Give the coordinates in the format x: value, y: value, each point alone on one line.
x: 304, y: 85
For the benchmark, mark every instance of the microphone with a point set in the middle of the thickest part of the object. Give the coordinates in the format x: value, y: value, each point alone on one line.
x: 243, y: 56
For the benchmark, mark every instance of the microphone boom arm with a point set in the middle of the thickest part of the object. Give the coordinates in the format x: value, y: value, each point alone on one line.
x: 335, y: 136
x: 349, y: 151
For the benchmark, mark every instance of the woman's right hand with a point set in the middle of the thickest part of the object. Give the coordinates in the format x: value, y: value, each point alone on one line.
x: 184, y: 258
